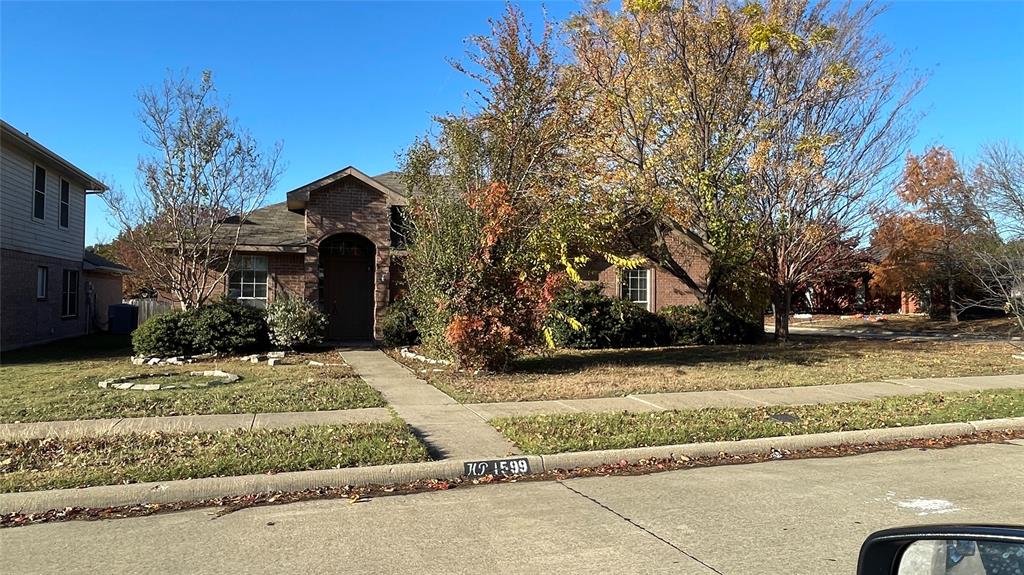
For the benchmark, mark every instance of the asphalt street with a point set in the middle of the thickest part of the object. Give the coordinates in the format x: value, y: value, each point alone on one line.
x: 799, y: 516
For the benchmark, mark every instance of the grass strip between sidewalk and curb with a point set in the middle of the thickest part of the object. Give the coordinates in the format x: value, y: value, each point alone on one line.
x: 545, y: 434
x: 232, y: 493
x: 54, y: 463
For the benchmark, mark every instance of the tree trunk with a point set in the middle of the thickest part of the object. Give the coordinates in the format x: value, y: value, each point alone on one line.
x: 781, y: 306
x: 951, y: 293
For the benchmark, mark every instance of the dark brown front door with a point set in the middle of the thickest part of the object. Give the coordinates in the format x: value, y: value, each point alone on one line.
x: 347, y: 264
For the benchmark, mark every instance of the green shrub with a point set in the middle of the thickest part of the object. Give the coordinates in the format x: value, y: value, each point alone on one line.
x: 605, y: 322
x: 399, y: 324
x: 166, y: 335
x: 226, y: 326
x: 295, y: 322
x: 591, y: 309
x: 634, y: 326
x: 715, y: 325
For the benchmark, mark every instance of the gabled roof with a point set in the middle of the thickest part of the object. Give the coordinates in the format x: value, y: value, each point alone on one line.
x: 10, y: 135
x: 298, y: 197
x: 93, y: 261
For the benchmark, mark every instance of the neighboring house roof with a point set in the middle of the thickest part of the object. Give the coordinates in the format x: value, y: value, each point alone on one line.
x: 93, y: 261
x: 298, y: 197
x: 10, y: 135
x: 272, y: 225
x: 393, y: 180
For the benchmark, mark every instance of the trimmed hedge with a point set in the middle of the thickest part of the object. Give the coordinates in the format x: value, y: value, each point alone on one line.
x: 398, y: 324
x: 715, y: 325
x: 224, y: 326
x: 606, y: 322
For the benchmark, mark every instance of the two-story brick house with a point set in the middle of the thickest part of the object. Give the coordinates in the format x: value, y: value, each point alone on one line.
x: 49, y: 288
x: 332, y: 241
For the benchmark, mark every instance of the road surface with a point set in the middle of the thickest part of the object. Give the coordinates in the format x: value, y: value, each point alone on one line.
x: 800, y: 516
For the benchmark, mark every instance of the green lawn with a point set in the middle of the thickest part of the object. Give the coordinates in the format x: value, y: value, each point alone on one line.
x: 59, y: 381
x: 808, y: 360
x: 113, y: 459
x: 584, y: 432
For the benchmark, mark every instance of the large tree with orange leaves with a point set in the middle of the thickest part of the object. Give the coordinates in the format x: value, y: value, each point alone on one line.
x: 927, y: 243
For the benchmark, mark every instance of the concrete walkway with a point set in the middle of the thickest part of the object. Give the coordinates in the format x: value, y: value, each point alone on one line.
x: 93, y: 427
x: 449, y: 429
x: 838, y: 393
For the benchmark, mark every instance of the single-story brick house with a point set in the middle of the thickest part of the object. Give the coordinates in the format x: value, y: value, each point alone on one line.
x: 333, y: 241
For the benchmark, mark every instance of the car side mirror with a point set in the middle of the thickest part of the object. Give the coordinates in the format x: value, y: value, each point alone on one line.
x: 944, y: 550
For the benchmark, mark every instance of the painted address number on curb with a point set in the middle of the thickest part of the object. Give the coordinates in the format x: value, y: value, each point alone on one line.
x: 516, y: 466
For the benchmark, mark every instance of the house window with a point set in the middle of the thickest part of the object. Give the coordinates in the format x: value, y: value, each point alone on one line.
x: 248, y: 278
x: 65, y: 203
x: 636, y: 286
x: 69, y: 294
x: 39, y: 196
x: 42, y: 281
x: 399, y: 228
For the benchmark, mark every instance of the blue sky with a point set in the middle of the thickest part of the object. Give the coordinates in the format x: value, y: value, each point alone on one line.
x: 343, y: 83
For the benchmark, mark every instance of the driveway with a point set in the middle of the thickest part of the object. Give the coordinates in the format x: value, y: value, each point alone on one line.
x: 801, y: 516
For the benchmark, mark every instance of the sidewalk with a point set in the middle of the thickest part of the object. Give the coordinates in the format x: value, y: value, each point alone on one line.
x: 449, y: 429
x: 854, y: 332
x: 838, y: 393
x: 219, y: 422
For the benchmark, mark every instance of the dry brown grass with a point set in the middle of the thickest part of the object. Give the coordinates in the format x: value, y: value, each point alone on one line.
x: 807, y: 361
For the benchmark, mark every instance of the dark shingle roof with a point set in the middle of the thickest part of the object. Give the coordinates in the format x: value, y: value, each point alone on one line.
x: 393, y: 180
x: 273, y: 225
x: 98, y: 261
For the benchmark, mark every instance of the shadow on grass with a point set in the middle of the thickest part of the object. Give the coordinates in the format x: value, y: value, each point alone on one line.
x: 802, y: 351
x: 98, y: 346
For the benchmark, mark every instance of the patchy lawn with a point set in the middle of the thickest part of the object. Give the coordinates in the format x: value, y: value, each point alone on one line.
x: 569, y: 374
x: 112, y: 459
x: 911, y: 324
x: 59, y: 381
x: 583, y: 432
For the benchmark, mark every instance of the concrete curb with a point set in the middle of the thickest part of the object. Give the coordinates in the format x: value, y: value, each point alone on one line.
x: 209, y: 488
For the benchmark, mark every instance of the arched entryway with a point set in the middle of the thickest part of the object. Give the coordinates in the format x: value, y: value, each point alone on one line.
x: 347, y: 268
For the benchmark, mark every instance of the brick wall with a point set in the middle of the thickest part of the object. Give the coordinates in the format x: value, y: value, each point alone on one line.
x: 349, y: 206
x: 665, y: 288
x: 24, y: 320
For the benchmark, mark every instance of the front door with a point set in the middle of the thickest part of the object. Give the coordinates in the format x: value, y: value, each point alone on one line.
x: 347, y: 264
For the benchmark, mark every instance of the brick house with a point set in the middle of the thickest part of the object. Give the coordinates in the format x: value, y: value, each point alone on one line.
x: 333, y: 241
x: 49, y: 287
x: 330, y: 241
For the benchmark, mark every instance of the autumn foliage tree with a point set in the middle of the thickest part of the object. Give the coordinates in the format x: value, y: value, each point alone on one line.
x: 495, y: 225
x: 928, y: 242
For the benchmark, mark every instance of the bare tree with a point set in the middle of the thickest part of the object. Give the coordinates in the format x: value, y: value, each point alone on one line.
x: 204, y: 177
x: 999, y: 265
x: 834, y: 123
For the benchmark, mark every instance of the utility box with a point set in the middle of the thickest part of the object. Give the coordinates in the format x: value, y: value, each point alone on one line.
x: 123, y: 318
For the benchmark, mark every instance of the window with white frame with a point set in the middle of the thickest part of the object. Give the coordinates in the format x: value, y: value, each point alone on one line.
x: 42, y: 281
x: 39, y: 194
x: 65, y: 203
x: 69, y: 294
x: 248, y: 278
x: 636, y: 286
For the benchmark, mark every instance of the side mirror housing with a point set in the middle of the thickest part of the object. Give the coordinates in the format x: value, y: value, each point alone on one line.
x: 943, y: 550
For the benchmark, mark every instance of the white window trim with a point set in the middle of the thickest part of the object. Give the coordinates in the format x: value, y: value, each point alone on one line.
x: 60, y: 203
x: 649, y: 289
x: 239, y: 269
x: 45, y: 285
x: 64, y: 294
x: 35, y: 168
